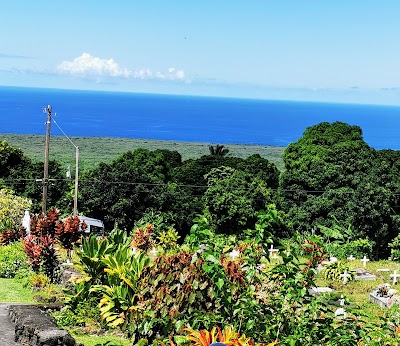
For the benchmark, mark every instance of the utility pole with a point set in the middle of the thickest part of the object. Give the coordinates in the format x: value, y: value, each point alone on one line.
x: 76, y: 180
x: 46, y: 159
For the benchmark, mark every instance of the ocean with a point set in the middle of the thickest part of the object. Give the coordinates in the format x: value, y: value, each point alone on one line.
x: 187, y: 118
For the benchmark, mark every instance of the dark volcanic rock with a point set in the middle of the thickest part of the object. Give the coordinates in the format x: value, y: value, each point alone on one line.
x: 35, y: 327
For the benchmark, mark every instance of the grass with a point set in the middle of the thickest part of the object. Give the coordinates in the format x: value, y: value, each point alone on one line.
x: 12, y: 291
x: 358, y: 290
x: 93, y: 340
x: 93, y: 150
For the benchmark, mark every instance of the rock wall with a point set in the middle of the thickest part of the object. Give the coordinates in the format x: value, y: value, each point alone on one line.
x: 35, y: 327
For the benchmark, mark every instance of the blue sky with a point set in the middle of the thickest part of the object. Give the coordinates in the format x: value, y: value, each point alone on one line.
x: 340, y: 51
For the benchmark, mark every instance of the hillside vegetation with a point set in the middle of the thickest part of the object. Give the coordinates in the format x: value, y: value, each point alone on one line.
x: 93, y: 150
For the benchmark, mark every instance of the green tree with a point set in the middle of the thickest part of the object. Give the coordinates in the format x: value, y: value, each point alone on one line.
x: 218, y: 150
x: 122, y: 191
x: 233, y: 197
x: 332, y: 173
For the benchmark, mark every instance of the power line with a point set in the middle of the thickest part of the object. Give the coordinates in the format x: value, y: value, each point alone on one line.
x: 130, y: 183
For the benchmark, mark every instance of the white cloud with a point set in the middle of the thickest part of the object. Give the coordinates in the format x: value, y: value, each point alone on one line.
x: 87, y: 65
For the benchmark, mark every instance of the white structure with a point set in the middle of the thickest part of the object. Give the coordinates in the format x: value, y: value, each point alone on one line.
x: 345, y: 276
x: 351, y: 258
x: 273, y: 253
x: 333, y: 259
x: 234, y: 254
x: 395, y: 276
x: 26, y: 222
x: 340, y: 313
x: 93, y: 225
x: 364, y: 261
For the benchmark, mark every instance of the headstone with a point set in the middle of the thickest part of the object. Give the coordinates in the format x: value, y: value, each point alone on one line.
x: 364, y: 261
x: 26, y: 223
x: 351, y: 258
x: 362, y: 274
x: 340, y: 313
x: 273, y: 252
x: 234, y: 254
x: 345, y: 276
x: 395, y: 276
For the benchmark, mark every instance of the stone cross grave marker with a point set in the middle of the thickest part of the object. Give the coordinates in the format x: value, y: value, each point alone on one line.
x: 273, y: 252
x: 364, y: 261
x: 395, y: 276
x: 351, y: 258
x: 345, y: 276
x: 153, y: 251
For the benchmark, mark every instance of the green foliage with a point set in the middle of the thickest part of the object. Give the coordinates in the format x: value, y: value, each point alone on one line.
x: 84, y: 313
x: 395, y: 249
x: 333, y: 271
x: 232, y: 199
x: 332, y: 174
x: 91, y: 255
x: 218, y: 150
x: 13, y: 260
x: 342, y: 242
x: 12, y: 209
x: 358, y: 248
x: 120, y: 295
x: 109, y: 198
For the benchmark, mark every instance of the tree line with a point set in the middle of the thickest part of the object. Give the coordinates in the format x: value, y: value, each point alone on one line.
x: 331, y: 176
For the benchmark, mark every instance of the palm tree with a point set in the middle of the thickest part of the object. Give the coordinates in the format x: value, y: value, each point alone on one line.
x: 218, y: 150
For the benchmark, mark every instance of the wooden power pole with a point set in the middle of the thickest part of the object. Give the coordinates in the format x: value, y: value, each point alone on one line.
x: 46, y: 159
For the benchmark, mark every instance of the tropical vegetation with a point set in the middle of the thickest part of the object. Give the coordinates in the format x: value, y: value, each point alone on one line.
x: 185, y: 256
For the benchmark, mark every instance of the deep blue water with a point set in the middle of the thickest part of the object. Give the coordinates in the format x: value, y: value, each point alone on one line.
x: 187, y: 118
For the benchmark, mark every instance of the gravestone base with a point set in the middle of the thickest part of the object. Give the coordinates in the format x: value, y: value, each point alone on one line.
x: 384, y: 302
x: 362, y: 274
x: 318, y: 291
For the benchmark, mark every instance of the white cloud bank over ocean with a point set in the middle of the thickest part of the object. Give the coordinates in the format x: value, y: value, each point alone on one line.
x: 88, y: 65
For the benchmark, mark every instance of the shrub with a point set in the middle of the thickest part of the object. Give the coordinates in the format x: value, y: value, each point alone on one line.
x: 333, y: 271
x: 13, y: 260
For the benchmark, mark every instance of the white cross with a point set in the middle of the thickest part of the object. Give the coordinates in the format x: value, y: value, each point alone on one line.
x: 345, y: 276
x: 273, y: 252
x: 234, y: 254
x: 364, y: 261
x: 351, y: 258
x: 134, y: 250
x: 153, y: 251
x: 395, y: 276
x: 341, y: 300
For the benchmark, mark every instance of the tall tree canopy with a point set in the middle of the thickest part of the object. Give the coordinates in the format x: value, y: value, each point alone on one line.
x: 331, y: 171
